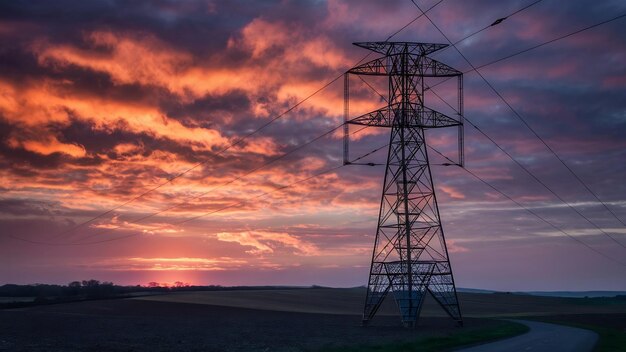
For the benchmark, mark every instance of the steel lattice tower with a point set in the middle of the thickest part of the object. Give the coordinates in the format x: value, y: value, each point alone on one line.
x: 410, y: 255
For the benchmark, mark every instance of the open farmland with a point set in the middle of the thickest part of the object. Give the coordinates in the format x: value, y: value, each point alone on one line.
x: 350, y: 301
x: 269, y: 320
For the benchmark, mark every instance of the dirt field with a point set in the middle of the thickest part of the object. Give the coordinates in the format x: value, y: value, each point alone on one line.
x: 270, y: 320
x: 350, y: 301
x: 142, y: 325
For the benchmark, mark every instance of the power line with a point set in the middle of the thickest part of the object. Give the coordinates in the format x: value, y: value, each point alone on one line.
x: 183, y: 221
x: 486, y: 64
x: 451, y: 162
x: 170, y: 180
x: 549, y: 42
x: 519, y: 116
x: 250, y: 134
x: 262, y: 166
x: 509, y: 56
x: 530, y: 210
x: 562, y: 162
x: 325, y: 172
x: 238, y: 141
x: 108, y: 240
x: 182, y: 203
x: 409, y: 23
x: 136, y: 221
x: 526, y: 169
x: 106, y: 230
x: 282, y: 188
x: 546, y: 43
x: 494, y: 23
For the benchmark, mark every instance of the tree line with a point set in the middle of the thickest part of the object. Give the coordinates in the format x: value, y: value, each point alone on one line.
x: 95, y: 289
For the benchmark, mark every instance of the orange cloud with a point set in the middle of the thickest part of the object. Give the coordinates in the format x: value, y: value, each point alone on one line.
x: 49, y: 145
x: 145, y: 59
x: 259, y: 36
x: 267, y: 242
x: 45, y: 103
x: 169, y: 264
x: 259, y: 145
x: 152, y: 228
x: 130, y: 58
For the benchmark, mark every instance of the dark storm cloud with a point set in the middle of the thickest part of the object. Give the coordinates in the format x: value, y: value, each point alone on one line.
x: 188, y: 24
x: 21, y: 207
x: 224, y: 110
x: 20, y: 161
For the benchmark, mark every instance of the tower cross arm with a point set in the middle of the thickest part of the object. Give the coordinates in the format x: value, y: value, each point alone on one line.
x: 418, y: 65
x: 390, y: 48
x: 376, y: 67
x: 418, y: 117
x: 427, y: 67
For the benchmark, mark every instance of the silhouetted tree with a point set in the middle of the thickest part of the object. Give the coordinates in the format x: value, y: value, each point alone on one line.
x: 73, y: 288
x: 91, y: 283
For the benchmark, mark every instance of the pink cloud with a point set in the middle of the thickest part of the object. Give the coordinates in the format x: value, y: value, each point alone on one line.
x: 454, y: 247
x: 452, y: 192
x: 267, y: 242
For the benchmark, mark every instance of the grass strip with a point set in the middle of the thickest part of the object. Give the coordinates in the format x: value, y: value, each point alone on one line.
x: 504, y: 329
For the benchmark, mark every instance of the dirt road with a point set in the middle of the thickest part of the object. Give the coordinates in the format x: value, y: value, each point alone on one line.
x: 543, y: 337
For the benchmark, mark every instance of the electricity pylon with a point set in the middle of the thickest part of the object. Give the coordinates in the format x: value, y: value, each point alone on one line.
x: 410, y: 254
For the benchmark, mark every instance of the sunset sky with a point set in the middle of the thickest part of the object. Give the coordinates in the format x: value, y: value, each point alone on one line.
x: 102, y: 101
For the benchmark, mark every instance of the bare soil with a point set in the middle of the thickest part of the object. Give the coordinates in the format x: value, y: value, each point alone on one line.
x: 141, y: 325
x: 350, y: 301
x: 268, y: 320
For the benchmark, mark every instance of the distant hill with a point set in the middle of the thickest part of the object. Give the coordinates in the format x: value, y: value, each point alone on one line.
x: 474, y: 290
x: 566, y: 294
x: 576, y: 294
